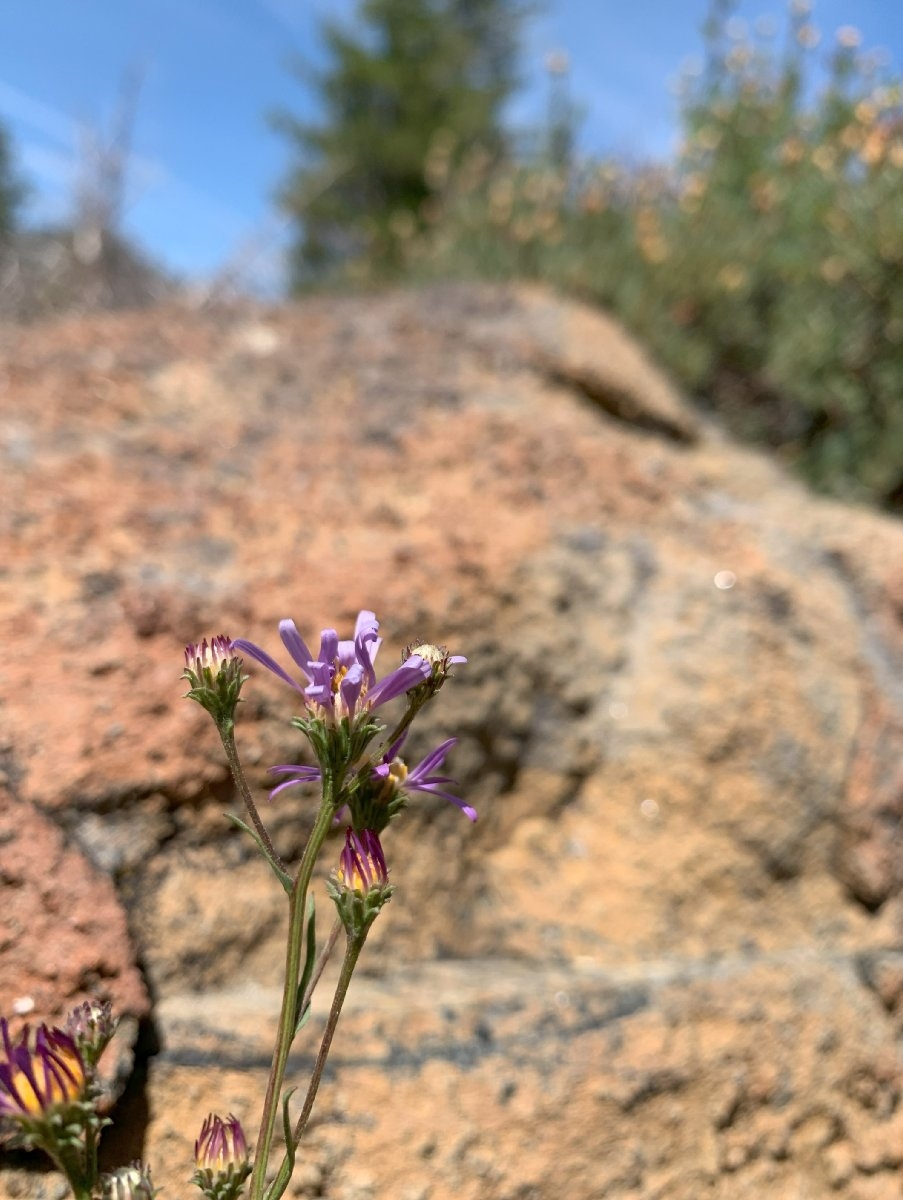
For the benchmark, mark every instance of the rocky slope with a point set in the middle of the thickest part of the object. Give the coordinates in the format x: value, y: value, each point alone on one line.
x: 666, y: 962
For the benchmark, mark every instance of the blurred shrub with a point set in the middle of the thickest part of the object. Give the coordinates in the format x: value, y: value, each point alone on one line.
x: 89, y: 264
x: 763, y: 266
x: 54, y: 271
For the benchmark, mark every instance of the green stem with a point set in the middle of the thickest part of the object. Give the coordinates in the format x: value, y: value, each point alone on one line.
x: 353, y: 947
x: 403, y: 725
x: 286, y: 1031
x: 227, y: 733
x: 325, y: 954
x: 416, y: 703
x: 91, y: 1141
x: 74, y: 1162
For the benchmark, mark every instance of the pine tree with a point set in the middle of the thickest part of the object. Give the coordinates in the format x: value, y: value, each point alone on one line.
x: 11, y: 190
x: 408, y: 75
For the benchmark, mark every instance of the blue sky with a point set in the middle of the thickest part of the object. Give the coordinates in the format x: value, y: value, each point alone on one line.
x: 205, y: 164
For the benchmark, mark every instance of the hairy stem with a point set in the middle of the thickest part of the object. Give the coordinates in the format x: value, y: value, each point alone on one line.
x: 227, y: 734
x: 353, y: 947
x: 323, y: 959
x: 73, y: 1162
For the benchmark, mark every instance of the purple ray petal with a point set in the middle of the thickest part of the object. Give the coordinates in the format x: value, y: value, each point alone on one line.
x: 329, y: 646
x: 408, y: 675
x: 433, y: 759
x: 320, y: 688
x: 302, y: 770
x: 350, y: 688
x: 470, y: 813
x: 300, y: 773
x: 362, y: 642
x: 281, y: 787
x: 395, y: 749
x: 296, y: 646
x: 242, y: 646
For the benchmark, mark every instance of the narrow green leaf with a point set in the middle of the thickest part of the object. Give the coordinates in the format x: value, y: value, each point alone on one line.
x: 310, y: 959
x: 284, y: 1174
x: 287, y: 1131
x: 284, y: 878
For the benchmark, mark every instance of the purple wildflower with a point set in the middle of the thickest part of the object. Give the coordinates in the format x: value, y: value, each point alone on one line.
x: 35, y: 1079
x: 440, y: 662
x: 359, y: 885
x: 340, y: 681
x: 437, y: 656
x: 394, y: 771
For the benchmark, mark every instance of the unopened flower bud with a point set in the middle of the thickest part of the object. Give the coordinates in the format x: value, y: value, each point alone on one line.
x: 128, y: 1183
x: 440, y: 662
x: 214, y: 671
x: 91, y: 1026
x: 221, y: 1158
x: 360, y: 885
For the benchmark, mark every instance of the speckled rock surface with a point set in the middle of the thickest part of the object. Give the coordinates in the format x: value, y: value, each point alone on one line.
x: 666, y: 961
x: 63, y: 931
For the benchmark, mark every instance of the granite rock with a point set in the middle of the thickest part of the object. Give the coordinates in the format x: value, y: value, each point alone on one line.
x: 662, y: 964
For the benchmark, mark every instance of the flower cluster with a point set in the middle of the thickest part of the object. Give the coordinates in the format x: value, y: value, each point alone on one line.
x: 340, y: 681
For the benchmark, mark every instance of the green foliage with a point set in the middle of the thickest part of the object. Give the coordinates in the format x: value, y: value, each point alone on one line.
x: 12, y: 192
x: 763, y: 266
x: 412, y: 82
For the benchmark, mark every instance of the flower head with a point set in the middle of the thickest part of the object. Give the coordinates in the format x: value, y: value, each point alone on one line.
x: 360, y: 884
x: 214, y: 671
x: 382, y: 791
x: 209, y: 656
x: 362, y: 864
x: 220, y: 1144
x: 340, y: 681
x: 39, y: 1075
x: 398, y: 777
x: 221, y: 1157
x: 440, y: 662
